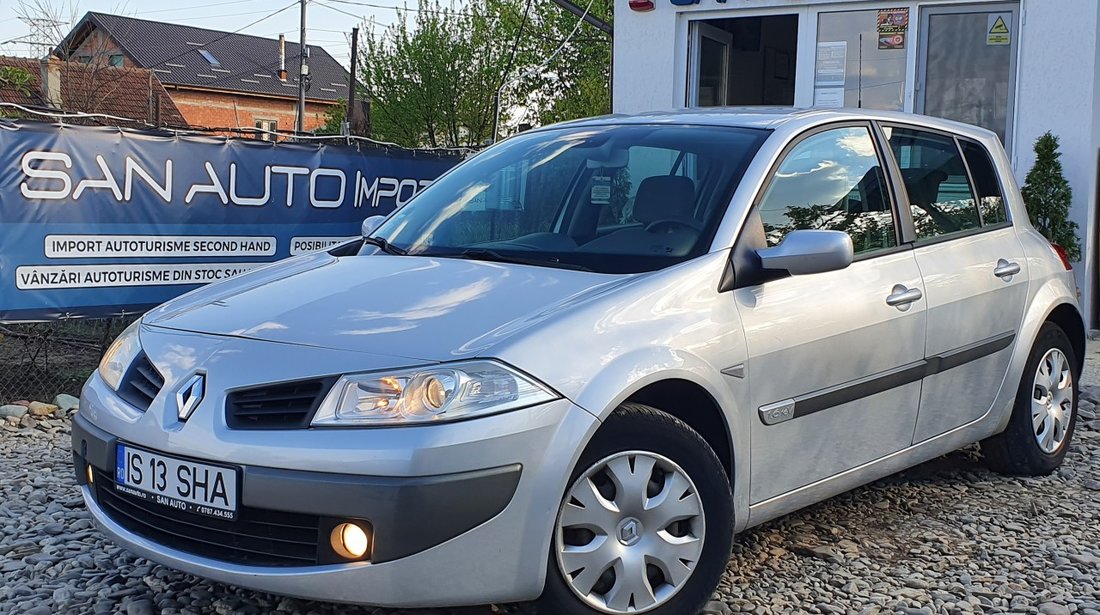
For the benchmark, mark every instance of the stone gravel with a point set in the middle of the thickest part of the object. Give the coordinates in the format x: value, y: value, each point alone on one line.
x: 944, y: 537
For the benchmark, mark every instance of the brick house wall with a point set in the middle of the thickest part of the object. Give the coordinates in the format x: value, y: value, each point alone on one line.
x: 216, y: 109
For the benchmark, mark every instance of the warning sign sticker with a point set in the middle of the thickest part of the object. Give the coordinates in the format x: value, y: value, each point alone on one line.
x: 999, y: 31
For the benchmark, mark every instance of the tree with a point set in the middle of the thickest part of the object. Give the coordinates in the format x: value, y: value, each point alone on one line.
x: 433, y: 78
x: 576, y: 82
x: 433, y: 82
x: 335, y: 116
x: 1048, y: 197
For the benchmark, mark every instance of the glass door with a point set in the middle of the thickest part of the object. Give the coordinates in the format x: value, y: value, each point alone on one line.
x: 710, y: 63
x: 967, y: 66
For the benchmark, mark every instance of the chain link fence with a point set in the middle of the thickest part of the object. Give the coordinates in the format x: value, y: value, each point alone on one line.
x: 41, y: 360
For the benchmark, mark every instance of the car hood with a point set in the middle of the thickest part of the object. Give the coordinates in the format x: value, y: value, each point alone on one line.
x: 431, y: 309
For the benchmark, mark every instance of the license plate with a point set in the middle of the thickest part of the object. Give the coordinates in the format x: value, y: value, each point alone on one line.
x: 181, y: 484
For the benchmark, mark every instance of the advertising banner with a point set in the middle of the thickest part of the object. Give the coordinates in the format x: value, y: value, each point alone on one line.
x: 98, y: 221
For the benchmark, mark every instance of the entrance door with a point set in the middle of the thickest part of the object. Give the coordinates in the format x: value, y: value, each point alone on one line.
x: 711, y: 57
x: 968, y: 65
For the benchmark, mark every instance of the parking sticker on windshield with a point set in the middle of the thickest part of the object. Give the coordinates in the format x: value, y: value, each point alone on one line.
x: 601, y: 190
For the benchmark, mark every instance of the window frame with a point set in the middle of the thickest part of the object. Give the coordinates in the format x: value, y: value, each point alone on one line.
x: 902, y: 193
x: 269, y: 134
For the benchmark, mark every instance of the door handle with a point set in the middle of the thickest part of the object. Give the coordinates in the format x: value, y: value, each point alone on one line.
x: 900, y: 297
x: 1006, y: 269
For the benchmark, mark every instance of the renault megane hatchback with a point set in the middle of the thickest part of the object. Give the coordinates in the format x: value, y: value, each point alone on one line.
x: 574, y: 366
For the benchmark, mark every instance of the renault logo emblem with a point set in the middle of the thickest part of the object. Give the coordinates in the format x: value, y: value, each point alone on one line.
x: 189, y: 396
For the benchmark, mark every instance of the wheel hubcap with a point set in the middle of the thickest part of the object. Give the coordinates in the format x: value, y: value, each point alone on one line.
x: 630, y: 532
x: 1052, y: 401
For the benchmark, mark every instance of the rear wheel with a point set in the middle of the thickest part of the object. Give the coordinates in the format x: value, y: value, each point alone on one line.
x: 1043, y: 418
x: 646, y: 522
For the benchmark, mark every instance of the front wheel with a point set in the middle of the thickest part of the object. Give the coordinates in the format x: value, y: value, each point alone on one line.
x: 646, y: 523
x: 1039, y: 432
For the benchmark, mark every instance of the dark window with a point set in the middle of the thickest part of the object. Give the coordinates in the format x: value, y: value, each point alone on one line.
x: 84, y: 59
x: 831, y: 181
x: 116, y: 60
x: 932, y: 168
x: 990, y: 199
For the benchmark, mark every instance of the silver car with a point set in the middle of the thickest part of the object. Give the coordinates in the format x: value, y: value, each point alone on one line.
x: 576, y: 365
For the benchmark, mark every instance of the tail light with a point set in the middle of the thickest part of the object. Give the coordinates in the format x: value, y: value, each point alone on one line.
x: 1061, y: 252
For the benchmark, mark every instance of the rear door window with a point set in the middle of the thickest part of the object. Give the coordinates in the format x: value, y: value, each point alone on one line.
x: 932, y: 168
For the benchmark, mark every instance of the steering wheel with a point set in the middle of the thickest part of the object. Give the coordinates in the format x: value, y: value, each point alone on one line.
x: 669, y: 225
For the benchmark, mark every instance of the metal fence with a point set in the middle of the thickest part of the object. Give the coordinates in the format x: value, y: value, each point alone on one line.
x: 41, y: 360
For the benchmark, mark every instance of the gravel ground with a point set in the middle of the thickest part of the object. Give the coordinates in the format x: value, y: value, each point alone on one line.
x: 945, y: 537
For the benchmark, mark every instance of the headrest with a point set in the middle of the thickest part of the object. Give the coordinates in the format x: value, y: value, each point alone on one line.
x: 664, y: 197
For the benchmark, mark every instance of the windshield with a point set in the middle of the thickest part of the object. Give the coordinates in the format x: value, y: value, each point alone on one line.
x: 611, y: 199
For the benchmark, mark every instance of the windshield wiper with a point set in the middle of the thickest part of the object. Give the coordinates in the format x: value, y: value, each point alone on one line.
x: 385, y: 246
x: 485, y: 254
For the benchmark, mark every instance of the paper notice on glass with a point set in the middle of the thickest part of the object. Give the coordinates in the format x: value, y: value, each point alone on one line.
x: 832, y: 63
x: 829, y: 97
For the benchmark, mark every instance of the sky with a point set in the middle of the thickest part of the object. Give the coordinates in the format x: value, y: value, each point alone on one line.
x: 329, y: 21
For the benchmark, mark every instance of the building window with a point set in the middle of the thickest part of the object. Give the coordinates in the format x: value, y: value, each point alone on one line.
x: 743, y: 61
x: 209, y: 57
x: 861, y: 59
x: 84, y: 59
x: 266, y: 129
x: 116, y: 60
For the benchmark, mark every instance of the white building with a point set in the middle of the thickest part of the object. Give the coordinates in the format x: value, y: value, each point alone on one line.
x: 1018, y: 68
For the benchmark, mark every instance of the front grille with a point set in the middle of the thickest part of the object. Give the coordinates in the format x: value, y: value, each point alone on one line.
x: 141, y: 383
x: 289, y: 405
x: 257, y: 537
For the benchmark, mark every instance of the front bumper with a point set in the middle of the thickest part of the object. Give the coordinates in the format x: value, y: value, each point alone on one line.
x: 462, y: 513
x: 405, y: 515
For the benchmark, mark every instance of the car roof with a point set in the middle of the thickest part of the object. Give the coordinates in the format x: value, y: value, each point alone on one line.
x: 774, y: 118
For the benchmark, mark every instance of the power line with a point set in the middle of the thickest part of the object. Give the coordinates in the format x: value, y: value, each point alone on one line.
x: 191, y: 8
x: 350, y: 14
x: 237, y: 31
x: 404, y: 8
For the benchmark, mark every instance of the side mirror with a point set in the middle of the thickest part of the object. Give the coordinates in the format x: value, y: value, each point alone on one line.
x: 371, y: 223
x: 804, y: 252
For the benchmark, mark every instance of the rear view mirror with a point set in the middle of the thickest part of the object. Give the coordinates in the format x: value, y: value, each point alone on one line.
x: 616, y: 158
x: 372, y: 223
x: 804, y: 252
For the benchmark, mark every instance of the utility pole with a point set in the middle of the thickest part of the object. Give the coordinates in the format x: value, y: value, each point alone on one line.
x: 303, y: 72
x: 351, y: 115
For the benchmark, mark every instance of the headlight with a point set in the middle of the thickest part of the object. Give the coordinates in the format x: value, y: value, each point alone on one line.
x: 429, y: 394
x: 119, y: 355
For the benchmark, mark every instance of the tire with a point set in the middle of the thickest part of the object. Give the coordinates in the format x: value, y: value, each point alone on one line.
x: 686, y: 477
x: 1027, y: 448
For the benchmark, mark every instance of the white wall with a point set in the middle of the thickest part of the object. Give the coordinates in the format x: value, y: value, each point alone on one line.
x: 646, y: 59
x: 1058, y: 90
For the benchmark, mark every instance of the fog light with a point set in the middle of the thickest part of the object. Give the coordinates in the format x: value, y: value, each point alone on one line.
x: 349, y: 540
x: 88, y: 470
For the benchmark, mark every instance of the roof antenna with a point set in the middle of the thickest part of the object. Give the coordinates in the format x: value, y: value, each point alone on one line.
x: 859, y: 84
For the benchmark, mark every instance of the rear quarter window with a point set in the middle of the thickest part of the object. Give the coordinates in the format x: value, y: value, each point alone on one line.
x: 987, y: 183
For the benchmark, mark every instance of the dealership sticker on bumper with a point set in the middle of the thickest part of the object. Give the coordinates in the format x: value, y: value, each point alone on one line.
x: 177, y: 483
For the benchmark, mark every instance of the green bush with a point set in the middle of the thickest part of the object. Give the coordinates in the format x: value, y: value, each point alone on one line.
x: 1048, y: 196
